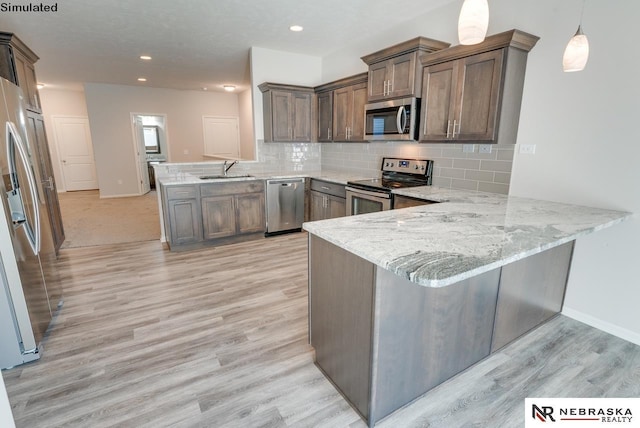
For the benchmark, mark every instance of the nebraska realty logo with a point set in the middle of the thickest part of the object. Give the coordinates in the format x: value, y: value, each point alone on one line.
x: 582, y: 412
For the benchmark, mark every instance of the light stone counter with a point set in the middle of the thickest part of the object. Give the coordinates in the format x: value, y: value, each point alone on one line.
x: 469, y: 233
x: 183, y: 178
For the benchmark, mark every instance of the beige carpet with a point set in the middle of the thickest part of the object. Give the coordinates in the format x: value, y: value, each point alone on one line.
x: 89, y: 220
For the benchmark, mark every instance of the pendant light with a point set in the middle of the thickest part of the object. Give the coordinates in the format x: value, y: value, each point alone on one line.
x: 473, y: 22
x: 576, y: 53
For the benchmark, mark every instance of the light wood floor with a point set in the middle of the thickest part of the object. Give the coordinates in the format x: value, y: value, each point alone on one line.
x: 218, y: 338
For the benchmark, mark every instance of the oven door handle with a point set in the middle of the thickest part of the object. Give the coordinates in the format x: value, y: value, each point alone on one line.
x: 401, y: 119
x: 379, y: 195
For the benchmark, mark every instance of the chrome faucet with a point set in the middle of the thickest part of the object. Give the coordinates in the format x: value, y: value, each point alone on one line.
x: 226, y: 168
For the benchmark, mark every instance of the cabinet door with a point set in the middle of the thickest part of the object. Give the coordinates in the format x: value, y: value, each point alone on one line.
x: 250, y: 213
x: 341, y: 100
x: 218, y: 216
x: 337, y: 207
x: 480, y: 79
x: 317, y: 200
x: 325, y: 116
x: 402, y: 75
x: 27, y: 80
x: 438, y: 101
x: 184, y: 227
x: 301, y: 119
x: 281, y: 115
x: 358, y: 100
x: 377, y: 81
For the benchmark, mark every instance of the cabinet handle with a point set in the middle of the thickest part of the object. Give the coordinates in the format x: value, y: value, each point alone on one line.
x: 453, y: 136
x: 390, y: 87
x: 384, y: 89
x: 324, y: 188
x: 328, y: 133
x: 448, y: 128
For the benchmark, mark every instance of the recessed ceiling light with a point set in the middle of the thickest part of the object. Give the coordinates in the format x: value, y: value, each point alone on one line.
x: 40, y: 85
x: 145, y: 57
x: 229, y: 88
x: 142, y: 79
x: 296, y: 28
x: 205, y: 88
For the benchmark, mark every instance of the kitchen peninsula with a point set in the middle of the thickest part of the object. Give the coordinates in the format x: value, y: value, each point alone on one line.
x: 402, y: 300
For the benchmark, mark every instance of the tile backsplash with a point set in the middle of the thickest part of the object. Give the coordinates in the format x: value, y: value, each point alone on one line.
x: 453, y: 167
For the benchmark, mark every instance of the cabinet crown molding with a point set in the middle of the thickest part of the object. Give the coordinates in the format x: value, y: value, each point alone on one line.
x: 14, y: 41
x: 268, y: 86
x: 341, y: 83
x: 420, y: 44
x: 513, y: 38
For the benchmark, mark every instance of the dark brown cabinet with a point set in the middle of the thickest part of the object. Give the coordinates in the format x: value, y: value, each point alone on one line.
x: 325, y: 116
x: 348, y: 112
x: 287, y: 112
x: 395, y: 71
x: 460, y: 98
x: 211, y: 213
x: 340, y: 109
x: 473, y: 93
x: 17, y: 65
x: 327, y: 200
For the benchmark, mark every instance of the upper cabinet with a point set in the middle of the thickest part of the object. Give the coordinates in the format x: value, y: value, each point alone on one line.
x: 17, y: 65
x: 341, y: 109
x: 395, y: 71
x: 473, y: 93
x: 287, y: 112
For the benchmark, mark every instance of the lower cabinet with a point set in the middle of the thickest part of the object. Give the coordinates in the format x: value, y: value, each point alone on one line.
x: 327, y: 200
x: 218, y: 217
x: 184, y: 222
x: 205, y: 214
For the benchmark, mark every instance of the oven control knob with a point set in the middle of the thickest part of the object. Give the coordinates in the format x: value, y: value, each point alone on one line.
x: 387, y: 164
x: 417, y: 167
x: 391, y: 163
x: 423, y: 167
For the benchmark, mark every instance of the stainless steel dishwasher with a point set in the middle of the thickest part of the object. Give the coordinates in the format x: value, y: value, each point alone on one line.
x: 285, y: 205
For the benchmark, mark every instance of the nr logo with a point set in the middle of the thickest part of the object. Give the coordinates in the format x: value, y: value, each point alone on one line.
x: 543, y: 413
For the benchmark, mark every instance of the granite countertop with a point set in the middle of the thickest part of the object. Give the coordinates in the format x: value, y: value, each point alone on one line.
x: 467, y: 234
x: 183, y: 178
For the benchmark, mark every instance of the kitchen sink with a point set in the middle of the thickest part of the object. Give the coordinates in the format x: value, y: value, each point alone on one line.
x: 217, y: 177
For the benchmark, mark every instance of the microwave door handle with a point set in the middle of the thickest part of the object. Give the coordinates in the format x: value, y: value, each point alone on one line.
x: 401, y: 119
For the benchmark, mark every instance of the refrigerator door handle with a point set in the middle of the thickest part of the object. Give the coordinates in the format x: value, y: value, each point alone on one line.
x: 13, y: 135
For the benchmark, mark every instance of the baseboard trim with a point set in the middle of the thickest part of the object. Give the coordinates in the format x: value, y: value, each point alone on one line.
x: 623, y: 333
x: 120, y: 196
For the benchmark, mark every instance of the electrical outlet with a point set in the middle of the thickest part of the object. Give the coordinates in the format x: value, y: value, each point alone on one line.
x: 528, y: 149
x: 468, y: 148
x: 484, y: 148
x: 186, y: 151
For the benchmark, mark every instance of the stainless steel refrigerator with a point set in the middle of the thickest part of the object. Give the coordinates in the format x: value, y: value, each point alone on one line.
x: 30, y: 291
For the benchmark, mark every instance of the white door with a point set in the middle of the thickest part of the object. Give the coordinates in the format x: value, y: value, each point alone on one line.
x: 73, y: 139
x: 221, y: 137
x: 140, y: 152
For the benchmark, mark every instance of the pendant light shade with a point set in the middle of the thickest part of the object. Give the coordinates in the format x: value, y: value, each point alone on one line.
x: 576, y: 53
x: 473, y: 22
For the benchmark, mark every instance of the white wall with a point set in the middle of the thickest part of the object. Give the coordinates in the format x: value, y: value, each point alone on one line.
x: 268, y: 65
x: 109, y: 108
x: 247, y: 138
x: 583, y: 125
x: 56, y: 102
x: 6, y: 417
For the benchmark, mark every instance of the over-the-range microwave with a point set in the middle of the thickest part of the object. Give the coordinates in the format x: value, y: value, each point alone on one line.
x: 392, y: 120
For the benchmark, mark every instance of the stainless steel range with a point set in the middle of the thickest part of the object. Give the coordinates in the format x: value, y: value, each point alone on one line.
x: 366, y: 196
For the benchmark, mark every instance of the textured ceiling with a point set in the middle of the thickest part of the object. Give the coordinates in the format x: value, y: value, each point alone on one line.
x: 194, y: 43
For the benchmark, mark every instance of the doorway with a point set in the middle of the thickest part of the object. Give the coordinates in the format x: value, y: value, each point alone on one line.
x: 149, y: 145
